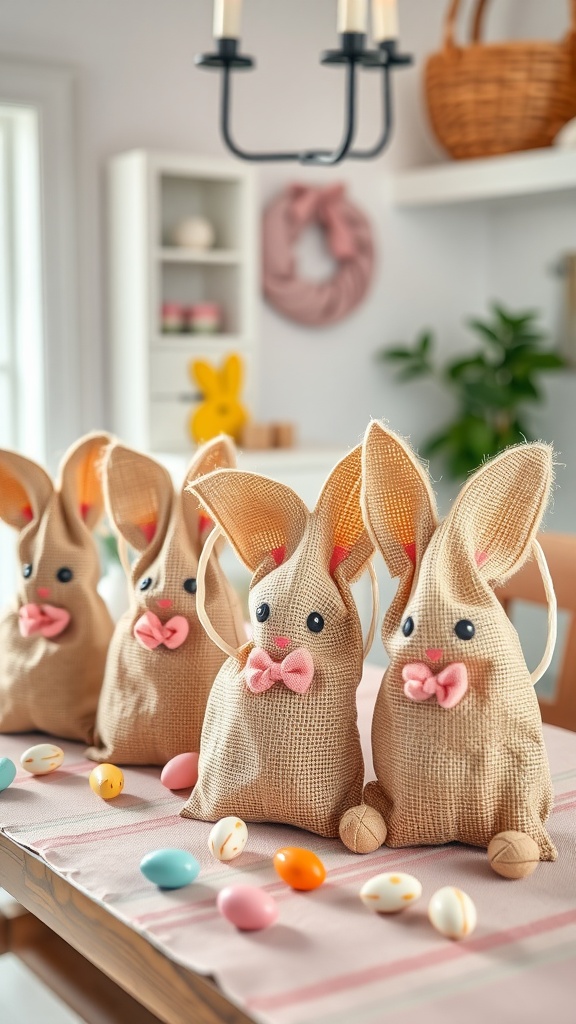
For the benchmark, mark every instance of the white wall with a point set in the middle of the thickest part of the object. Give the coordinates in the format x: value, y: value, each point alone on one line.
x: 137, y: 87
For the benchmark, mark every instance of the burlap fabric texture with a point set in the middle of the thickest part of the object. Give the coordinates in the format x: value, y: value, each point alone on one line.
x: 51, y: 682
x: 280, y: 755
x: 469, y: 771
x: 153, y: 698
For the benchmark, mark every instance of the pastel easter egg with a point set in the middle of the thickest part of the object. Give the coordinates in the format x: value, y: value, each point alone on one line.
x: 452, y: 913
x: 170, y: 868
x: 390, y: 892
x: 107, y: 781
x: 181, y: 772
x: 7, y: 772
x: 228, y: 838
x: 248, y: 908
x: 42, y: 759
x: 301, y: 869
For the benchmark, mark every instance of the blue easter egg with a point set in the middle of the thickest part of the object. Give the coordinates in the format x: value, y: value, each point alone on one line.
x: 170, y: 869
x: 7, y: 772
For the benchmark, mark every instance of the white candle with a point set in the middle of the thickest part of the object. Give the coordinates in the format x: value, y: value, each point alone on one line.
x: 352, y: 15
x: 384, y: 20
x: 227, y: 14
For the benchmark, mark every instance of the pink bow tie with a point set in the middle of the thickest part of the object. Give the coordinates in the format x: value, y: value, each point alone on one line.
x: 150, y: 632
x: 296, y: 671
x: 45, y: 619
x: 449, y: 686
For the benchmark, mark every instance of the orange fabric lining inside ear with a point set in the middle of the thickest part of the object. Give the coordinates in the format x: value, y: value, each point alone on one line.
x: 88, y: 491
x: 339, y: 553
x: 27, y: 512
x: 148, y: 529
x: 279, y: 554
x: 410, y: 550
x: 204, y: 522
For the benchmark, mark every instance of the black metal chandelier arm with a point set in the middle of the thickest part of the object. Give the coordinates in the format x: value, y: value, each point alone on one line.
x: 325, y: 158
x: 387, y: 123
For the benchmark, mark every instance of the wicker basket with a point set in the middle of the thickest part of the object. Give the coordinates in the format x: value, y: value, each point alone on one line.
x: 500, y: 98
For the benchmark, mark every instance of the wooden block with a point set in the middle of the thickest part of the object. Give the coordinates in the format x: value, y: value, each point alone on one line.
x: 284, y: 435
x: 256, y: 437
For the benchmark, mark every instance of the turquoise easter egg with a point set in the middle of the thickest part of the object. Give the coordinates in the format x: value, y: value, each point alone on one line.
x: 169, y: 868
x: 7, y: 772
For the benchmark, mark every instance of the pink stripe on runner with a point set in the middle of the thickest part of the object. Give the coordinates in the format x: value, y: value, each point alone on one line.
x: 408, y: 965
x: 107, y: 833
x: 563, y: 807
x: 60, y: 773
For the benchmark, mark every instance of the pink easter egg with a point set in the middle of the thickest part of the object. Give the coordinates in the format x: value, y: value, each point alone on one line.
x: 247, y: 907
x: 181, y: 772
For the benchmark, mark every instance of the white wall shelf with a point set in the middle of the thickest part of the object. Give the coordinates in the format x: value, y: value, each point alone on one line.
x: 213, y: 256
x: 150, y: 193
x: 541, y: 172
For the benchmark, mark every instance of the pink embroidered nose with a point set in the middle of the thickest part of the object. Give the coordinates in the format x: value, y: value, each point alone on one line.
x: 43, y: 591
x: 282, y: 641
x: 165, y: 602
x: 434, y: 653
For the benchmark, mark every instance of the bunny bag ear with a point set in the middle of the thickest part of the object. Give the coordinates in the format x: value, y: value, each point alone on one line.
x: 398, y: 501
x: 496, y: 516
x: 338, y: 509
x: 139, y: 497
x: 263, y: 520
x: 80, y: 483
x: 25, y: 489
x: 220, y: 453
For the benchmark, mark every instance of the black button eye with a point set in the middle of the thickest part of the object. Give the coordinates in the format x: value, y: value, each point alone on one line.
x: 64, y: 574
x: 27, y: 571
x: 315, y: 622
x: 190, y: 585
x: 145, y: 583
x: 408, y: 626
x: 262, y: 612
x: 464, y: 629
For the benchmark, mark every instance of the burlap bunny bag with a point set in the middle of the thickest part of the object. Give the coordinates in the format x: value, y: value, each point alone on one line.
x: 161, y: 664
x: 280, y: 741
x: 54, y: 637
x: 457, y: 734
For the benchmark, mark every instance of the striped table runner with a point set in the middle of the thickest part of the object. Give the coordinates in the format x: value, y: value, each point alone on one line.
x: 328, y: 960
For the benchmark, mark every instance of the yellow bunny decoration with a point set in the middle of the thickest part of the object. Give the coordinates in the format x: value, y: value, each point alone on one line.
x: 221, y: 411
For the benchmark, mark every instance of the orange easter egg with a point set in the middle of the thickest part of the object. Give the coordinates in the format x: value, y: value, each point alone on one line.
x: 300, y: 869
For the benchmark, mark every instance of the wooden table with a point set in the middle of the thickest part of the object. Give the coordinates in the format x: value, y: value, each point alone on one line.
x: 172, y: 993
x: 73, y: 861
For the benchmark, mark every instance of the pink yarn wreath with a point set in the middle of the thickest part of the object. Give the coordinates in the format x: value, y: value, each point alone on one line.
x: 349, y: 238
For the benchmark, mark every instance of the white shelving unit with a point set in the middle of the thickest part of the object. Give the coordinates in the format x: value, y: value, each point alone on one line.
x: 541, y: 172
x: 149, y: 193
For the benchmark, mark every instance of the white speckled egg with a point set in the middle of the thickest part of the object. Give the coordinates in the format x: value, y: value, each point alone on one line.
x: 452, y: 913
x: 42, y: 759
x: 390, y: 892
x: 228, y: 838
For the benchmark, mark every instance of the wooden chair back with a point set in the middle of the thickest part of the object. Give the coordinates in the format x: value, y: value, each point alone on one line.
x: 560, y: 551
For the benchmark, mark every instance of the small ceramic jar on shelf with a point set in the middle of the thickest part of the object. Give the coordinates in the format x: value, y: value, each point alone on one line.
x: 172, y: 318
x: 204, y: 318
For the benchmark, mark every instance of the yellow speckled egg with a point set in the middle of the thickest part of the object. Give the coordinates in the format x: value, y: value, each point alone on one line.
x: 107, y: 781
x: 42, y: 759
x: 390, y: 892
x: 452, y: 913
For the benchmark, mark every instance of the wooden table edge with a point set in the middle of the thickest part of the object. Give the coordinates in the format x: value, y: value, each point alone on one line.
x: 174, y: 993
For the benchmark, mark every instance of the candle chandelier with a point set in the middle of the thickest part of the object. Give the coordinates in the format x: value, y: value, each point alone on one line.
x: 352, y: 54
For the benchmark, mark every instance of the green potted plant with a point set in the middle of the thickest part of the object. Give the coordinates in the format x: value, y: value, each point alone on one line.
x: 494, y: 387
